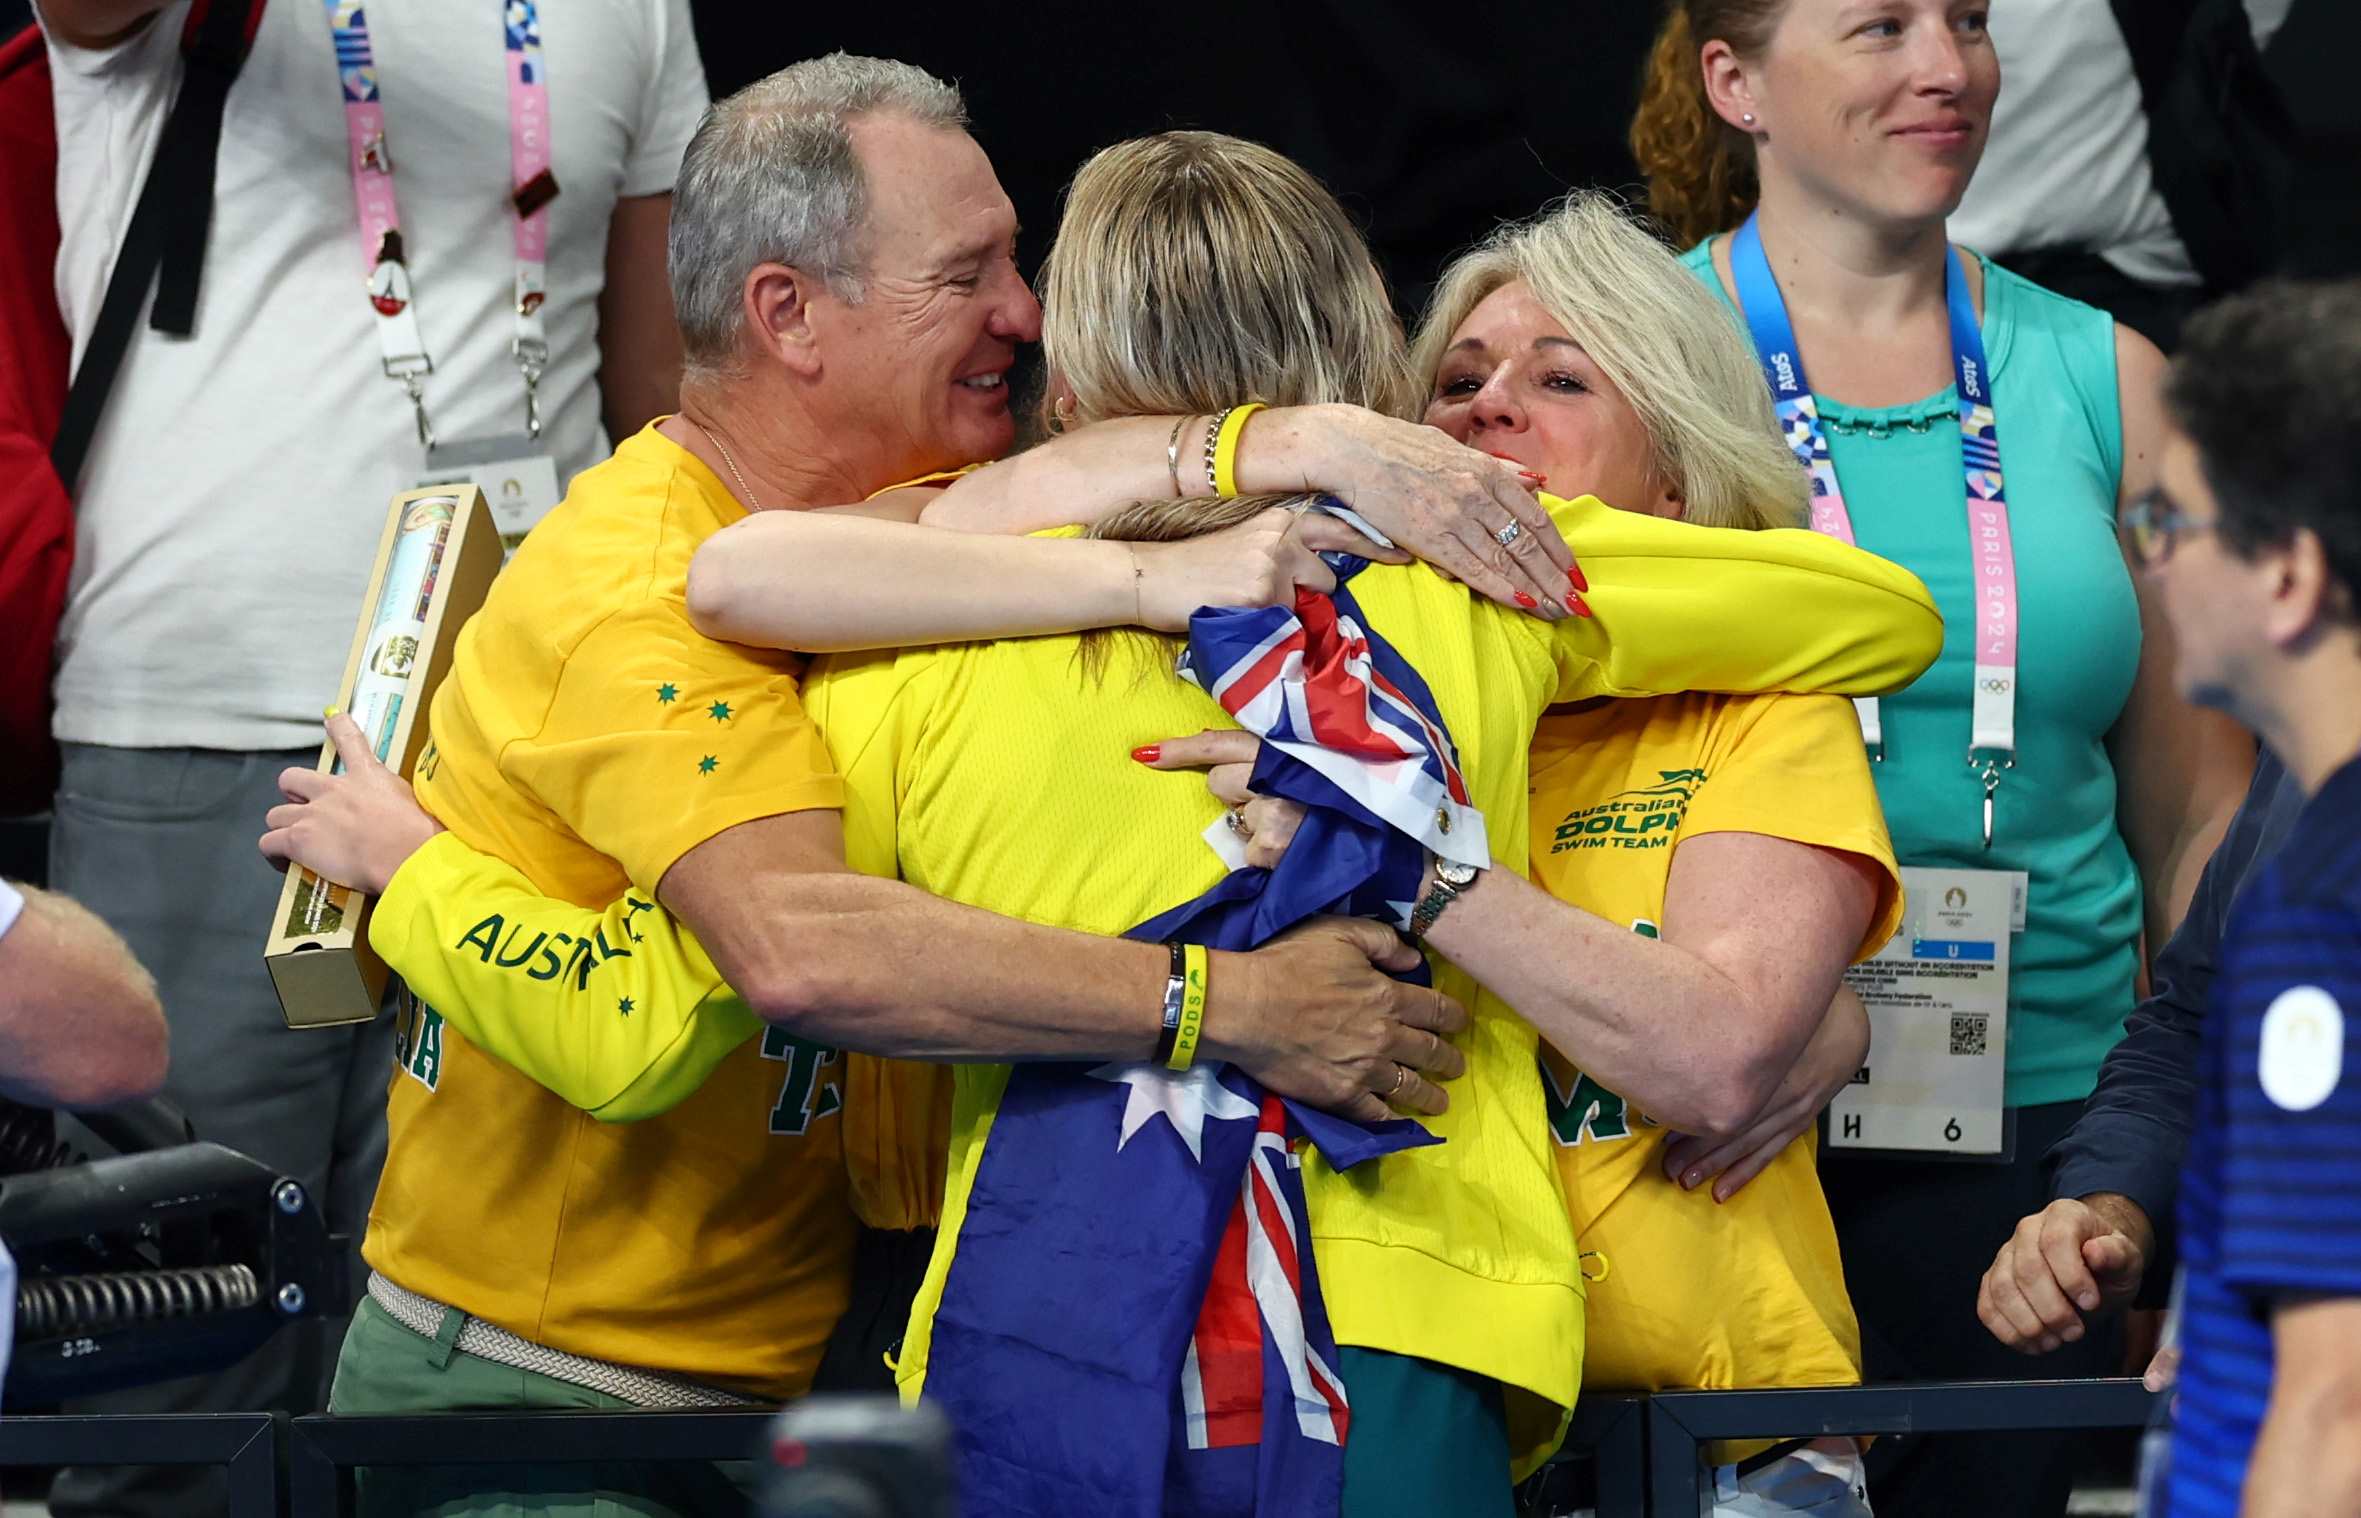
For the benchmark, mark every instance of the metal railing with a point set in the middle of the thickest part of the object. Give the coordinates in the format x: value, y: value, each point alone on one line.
x: 322, y: 1450
x: 245, y: 1444
x: 1648, y: 1451
x: 1680, y: 1424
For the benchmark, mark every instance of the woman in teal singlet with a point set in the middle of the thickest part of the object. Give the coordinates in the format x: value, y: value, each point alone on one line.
x: 1808, y: 152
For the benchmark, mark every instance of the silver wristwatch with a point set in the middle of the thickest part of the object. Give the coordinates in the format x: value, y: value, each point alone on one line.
x: 1450, y: 880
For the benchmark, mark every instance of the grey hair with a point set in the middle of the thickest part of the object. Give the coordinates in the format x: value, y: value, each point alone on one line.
x: 771, y: 177
x: 1659, y: 334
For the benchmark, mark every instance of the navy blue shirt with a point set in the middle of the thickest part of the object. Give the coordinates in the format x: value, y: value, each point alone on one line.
x: 2271, y: 1199
x: 2132, y: 1136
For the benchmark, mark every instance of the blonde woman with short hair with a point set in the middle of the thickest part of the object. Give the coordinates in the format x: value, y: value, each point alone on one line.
x: 1703, y: 866
x: 1712, y: 1259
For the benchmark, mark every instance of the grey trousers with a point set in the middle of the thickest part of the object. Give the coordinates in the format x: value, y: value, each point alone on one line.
x: 160, y: 843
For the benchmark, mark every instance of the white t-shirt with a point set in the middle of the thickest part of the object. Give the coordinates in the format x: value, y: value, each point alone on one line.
x: 2066, y: 165
x: 238, y: 483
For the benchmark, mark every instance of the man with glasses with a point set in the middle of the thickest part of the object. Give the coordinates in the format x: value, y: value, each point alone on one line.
x: 2252, y: 546
x: 2114, y: 1174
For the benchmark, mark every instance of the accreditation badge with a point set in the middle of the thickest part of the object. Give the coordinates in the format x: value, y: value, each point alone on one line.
x: 1937, y: 997
x: 518, y: 479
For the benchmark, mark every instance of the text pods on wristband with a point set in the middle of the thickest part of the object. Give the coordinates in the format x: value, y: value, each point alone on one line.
x: 1192, y: 1014
x: 1992, y: 733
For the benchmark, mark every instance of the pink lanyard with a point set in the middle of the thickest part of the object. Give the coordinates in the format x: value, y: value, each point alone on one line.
x: 391, y: 294
x: 1992, y: 711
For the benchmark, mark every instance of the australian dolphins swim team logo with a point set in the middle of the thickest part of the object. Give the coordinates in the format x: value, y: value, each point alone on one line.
x: 1648, y: 817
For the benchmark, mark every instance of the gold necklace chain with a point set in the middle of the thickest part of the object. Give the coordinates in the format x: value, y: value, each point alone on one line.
x: 723, y: 449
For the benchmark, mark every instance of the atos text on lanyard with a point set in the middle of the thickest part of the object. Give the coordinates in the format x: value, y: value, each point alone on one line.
x: 1992, y: 738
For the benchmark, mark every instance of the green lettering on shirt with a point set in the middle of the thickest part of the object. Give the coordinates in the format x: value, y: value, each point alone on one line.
x: 485, y: 936
x: 1589, y: 1113
x: 803, y: 1097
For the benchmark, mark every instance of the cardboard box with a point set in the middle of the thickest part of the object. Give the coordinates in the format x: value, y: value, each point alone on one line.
x: 435, y: 564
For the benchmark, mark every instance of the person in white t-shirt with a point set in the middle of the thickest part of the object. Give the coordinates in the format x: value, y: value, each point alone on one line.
x: 2065, y: 194
x: 231, y: 505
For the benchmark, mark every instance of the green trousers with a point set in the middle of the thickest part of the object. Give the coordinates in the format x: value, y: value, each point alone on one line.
x: 1427, y: 1441
x: 385, y: 1368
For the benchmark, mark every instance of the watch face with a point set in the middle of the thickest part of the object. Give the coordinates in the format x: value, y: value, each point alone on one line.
x: 1453, y: 873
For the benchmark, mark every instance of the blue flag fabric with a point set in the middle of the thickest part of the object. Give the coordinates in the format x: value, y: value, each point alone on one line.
x: 1132, y: 1323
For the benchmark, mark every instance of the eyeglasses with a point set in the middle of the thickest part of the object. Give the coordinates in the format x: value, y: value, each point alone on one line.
x: 2154, y: 523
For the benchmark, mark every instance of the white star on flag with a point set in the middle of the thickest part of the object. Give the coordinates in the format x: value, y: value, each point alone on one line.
x: 1185, y: 1099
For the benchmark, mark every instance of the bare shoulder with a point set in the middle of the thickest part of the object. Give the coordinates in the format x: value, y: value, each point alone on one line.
x: 2139, y: 390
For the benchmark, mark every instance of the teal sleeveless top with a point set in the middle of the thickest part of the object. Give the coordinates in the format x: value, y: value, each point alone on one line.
x: 2061, y: 452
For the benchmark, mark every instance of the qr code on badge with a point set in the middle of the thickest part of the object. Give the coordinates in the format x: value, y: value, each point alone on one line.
x: 1967, y: 1032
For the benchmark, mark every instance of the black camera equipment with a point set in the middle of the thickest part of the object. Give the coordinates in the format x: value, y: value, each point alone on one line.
x: 860, y: 1457
x: 149, y: 1265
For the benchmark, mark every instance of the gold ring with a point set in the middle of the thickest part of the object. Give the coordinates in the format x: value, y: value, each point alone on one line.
x: 1236, y: 818
x: 1401, y: 1074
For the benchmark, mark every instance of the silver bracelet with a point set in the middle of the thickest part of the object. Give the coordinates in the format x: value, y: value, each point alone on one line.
x: 1172, y: 454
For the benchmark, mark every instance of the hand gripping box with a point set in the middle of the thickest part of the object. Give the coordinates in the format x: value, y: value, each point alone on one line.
x: 435, y: 564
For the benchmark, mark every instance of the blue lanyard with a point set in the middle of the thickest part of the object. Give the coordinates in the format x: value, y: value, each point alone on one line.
x: 1993, y: 730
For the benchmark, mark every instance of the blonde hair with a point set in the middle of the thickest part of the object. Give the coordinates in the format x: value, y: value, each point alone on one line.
x: 1700, y: 169
x: 1193, y: 271
x: 1658, y: 334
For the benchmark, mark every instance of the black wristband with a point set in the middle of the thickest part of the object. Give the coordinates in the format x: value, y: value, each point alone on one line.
x: 1175, y: 989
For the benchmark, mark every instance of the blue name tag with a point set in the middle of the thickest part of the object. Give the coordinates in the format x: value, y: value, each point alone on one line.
x: 1952, y: 948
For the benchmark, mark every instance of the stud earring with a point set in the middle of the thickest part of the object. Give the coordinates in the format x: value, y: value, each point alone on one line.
x: 1748, y: 118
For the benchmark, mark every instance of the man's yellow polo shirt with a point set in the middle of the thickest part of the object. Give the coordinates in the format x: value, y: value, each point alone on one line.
x: 1684, y: 1291
x: 997, y: 775
x: 975, y: 813
x: 590, y: 737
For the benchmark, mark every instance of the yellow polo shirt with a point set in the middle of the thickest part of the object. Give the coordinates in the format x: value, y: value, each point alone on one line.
x: 996, y: 775
x: 589, y: 736
x: 1684, y: 1291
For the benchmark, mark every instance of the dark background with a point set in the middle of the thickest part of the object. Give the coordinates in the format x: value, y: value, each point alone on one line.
x: 1431, y: 121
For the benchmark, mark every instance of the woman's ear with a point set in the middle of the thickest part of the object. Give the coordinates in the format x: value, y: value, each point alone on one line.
x: 1728, y: 90
x: 1057, y: 404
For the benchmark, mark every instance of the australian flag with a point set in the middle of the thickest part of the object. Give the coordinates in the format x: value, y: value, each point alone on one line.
x: 1132, y: 1324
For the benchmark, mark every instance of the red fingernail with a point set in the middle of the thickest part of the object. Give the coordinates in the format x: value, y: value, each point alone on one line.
x: 1576, y: 605
x: 1148, y: 753
x: 1529, y: 475
x: 1574, y: 573
x: 1526, y: 601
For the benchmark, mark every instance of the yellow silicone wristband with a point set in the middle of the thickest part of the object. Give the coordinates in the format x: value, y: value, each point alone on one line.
x: 1225, y: 448
x: 1192, y: 1017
